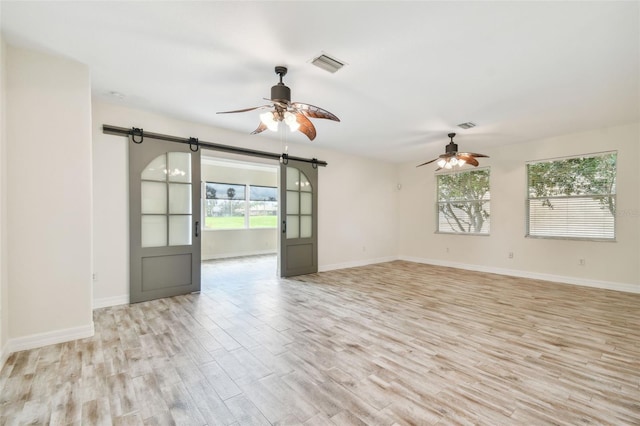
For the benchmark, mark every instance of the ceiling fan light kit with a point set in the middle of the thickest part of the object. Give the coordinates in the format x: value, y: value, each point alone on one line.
x: 452, y: 158
x: 269, y: 120
x: 294, y: 114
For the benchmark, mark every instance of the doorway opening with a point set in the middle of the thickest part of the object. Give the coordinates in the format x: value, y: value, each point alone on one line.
x: 239, y: 210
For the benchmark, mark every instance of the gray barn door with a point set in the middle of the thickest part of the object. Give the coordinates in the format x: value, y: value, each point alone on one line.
x: 299, y: 219
x: 164, y: 221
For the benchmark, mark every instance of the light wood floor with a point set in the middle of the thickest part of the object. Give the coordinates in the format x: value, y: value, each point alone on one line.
x: 394, y: 343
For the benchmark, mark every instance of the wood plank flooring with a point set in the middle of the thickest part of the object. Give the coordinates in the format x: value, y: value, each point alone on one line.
x: 397, y: 343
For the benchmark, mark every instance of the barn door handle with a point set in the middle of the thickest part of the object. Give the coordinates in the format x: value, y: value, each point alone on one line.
x: 197, y: 229
x: 284, y: 226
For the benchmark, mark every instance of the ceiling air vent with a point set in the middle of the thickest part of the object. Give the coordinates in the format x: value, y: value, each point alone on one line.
x: 467, y: 125
x: 327, y: 63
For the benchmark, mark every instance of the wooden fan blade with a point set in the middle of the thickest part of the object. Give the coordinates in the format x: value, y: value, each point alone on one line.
x: 261, y: 128
x: 473, y: 154
x: 313, y: 111
x: 243, y: 110
x: 447, y: 155
x: 468, y: 159
x: 306, y: 126
x: 428, y: 162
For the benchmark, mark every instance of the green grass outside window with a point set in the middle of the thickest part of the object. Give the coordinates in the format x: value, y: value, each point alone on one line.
x: 237, y: 222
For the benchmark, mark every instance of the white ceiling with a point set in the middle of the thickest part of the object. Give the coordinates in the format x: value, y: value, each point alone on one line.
x: 520, y: 70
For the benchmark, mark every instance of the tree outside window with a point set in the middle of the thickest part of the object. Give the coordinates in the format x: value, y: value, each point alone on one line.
x: 224, y: 206
x: 572, y: 197
x: 464, y: 202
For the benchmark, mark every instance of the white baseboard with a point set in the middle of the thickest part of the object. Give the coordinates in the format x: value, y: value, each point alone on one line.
x: 355, y: 263
x: 50, y: 338
x: 238, y: 254
x: 105, y: 302
x: 606, y: 285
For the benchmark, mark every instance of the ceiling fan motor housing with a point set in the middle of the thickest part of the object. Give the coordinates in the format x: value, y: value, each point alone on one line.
x: 280, y: 92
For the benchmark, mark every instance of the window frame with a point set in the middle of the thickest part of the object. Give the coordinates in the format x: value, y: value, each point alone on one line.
x: 528, y: 198
x: 438, y: 202
x: 247, y: 206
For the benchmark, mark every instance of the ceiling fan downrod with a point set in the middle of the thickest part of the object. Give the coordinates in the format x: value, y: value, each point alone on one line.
x: 281, y: 71
x: 451, y: 147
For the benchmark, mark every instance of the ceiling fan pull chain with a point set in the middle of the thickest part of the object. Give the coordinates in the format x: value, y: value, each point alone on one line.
x: 192, y: 142
x: 137, y: 131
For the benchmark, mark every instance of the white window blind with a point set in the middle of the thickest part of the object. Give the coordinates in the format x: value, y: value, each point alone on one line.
x: 572, y: 197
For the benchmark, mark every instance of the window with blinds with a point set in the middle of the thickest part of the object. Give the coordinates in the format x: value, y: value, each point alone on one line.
x: 240, y: 206
x: 572, y: 198
x: 464, y: 202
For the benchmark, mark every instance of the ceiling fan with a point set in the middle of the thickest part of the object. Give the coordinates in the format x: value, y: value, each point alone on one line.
x: 452, y: 157
x: 294, y: 114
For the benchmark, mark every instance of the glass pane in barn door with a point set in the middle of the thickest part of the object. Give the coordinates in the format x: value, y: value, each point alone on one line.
x: 164, y: 220
x: 298, y: 212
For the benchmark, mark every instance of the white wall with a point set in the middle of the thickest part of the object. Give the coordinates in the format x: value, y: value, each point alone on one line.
x: 608, y: 264
x: 225, y: 243
x: 358, y: 212
x: 4, y: 287
x: 357, y: 196
x: 48, y: 137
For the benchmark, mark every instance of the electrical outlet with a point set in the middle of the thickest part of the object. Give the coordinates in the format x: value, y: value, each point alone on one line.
x: 581, y: 262
x: 447, y: 249
x: 510, y: 255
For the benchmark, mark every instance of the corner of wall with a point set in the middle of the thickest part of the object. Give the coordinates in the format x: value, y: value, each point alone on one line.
x: 4, y: 301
